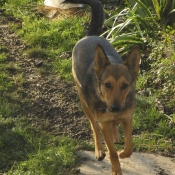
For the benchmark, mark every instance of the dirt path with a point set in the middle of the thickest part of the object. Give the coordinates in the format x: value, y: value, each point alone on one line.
x: 48, y: 102
x: 138, y: 164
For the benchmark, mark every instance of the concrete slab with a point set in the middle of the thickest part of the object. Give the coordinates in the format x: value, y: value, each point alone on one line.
x: 138, y: 164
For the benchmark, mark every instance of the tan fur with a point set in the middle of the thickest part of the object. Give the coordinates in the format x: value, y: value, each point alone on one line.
x: 114, y: 85
x: 115, y: 94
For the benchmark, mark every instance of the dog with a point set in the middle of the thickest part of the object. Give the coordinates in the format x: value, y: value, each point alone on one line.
x: 105, y: 86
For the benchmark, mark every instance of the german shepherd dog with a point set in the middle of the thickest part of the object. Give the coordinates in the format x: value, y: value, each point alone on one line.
x: 105, y: 86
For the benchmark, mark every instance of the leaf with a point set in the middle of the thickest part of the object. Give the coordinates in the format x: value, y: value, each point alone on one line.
x: 113, y: 29
x: 162, y: 6
x: 144, y: 7
x: 126, y: 23
x: 128, y: 38
x: 173, y: 4
x: 119, y: 43
x: 157, y: 8
x: 172, y: 11
x: 111, y: 20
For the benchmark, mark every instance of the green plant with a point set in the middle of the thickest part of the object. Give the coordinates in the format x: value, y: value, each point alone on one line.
x: 137, y: 23
x: 3, y: 57
x: 165, y: 11
x: 5, y: 82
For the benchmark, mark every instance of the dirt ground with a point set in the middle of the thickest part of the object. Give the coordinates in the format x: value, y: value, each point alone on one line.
x: 51, y: 103
x: 54, y: 106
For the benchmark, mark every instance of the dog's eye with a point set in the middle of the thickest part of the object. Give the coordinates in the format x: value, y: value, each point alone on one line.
x: 124, y: 86
x: 107, y: 85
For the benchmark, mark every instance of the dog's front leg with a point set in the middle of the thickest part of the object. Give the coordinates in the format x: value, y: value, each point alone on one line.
x: 108, y: 137
x: 99, y: 149
x: 127, y: 126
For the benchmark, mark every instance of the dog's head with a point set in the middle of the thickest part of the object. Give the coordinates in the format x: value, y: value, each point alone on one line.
x: 116, y: 81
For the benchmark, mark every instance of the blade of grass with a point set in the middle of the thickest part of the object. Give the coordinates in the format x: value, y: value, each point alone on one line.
x: 125, y: 37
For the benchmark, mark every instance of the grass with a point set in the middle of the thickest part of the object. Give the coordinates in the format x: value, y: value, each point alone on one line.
x: 42, y: 36
x: 23, y: 148
x: 153, y: 130
x: 28, y: 150
x: 47, y: 38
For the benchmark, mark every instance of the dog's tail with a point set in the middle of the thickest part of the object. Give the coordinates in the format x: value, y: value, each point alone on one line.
x: 97, y: 18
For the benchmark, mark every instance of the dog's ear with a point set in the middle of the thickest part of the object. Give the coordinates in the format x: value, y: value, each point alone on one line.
x: 100, y: 61
x: 133, y: 62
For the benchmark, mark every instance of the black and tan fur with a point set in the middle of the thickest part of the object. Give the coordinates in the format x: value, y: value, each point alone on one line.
x: 106, y: 87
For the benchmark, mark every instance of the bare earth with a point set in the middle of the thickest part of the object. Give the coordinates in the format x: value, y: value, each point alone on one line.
x: 48, y: 102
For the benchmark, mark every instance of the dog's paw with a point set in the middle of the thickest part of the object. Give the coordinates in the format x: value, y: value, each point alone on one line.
x: 124, y: 154
x: 100, y: 155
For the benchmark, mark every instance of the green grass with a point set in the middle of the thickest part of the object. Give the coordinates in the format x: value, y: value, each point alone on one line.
x: 153, y: 130
x: 25, y: 149
x: 47, y: 39
x: 154, y: 118
x: 52, y: 38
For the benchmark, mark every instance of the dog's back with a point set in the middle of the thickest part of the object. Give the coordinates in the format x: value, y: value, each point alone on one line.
x: 83, y: 54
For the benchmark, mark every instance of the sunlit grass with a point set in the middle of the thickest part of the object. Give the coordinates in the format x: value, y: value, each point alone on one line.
x: 25, y: 150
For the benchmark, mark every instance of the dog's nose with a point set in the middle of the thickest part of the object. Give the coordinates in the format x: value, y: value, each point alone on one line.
x: 115, y: 107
